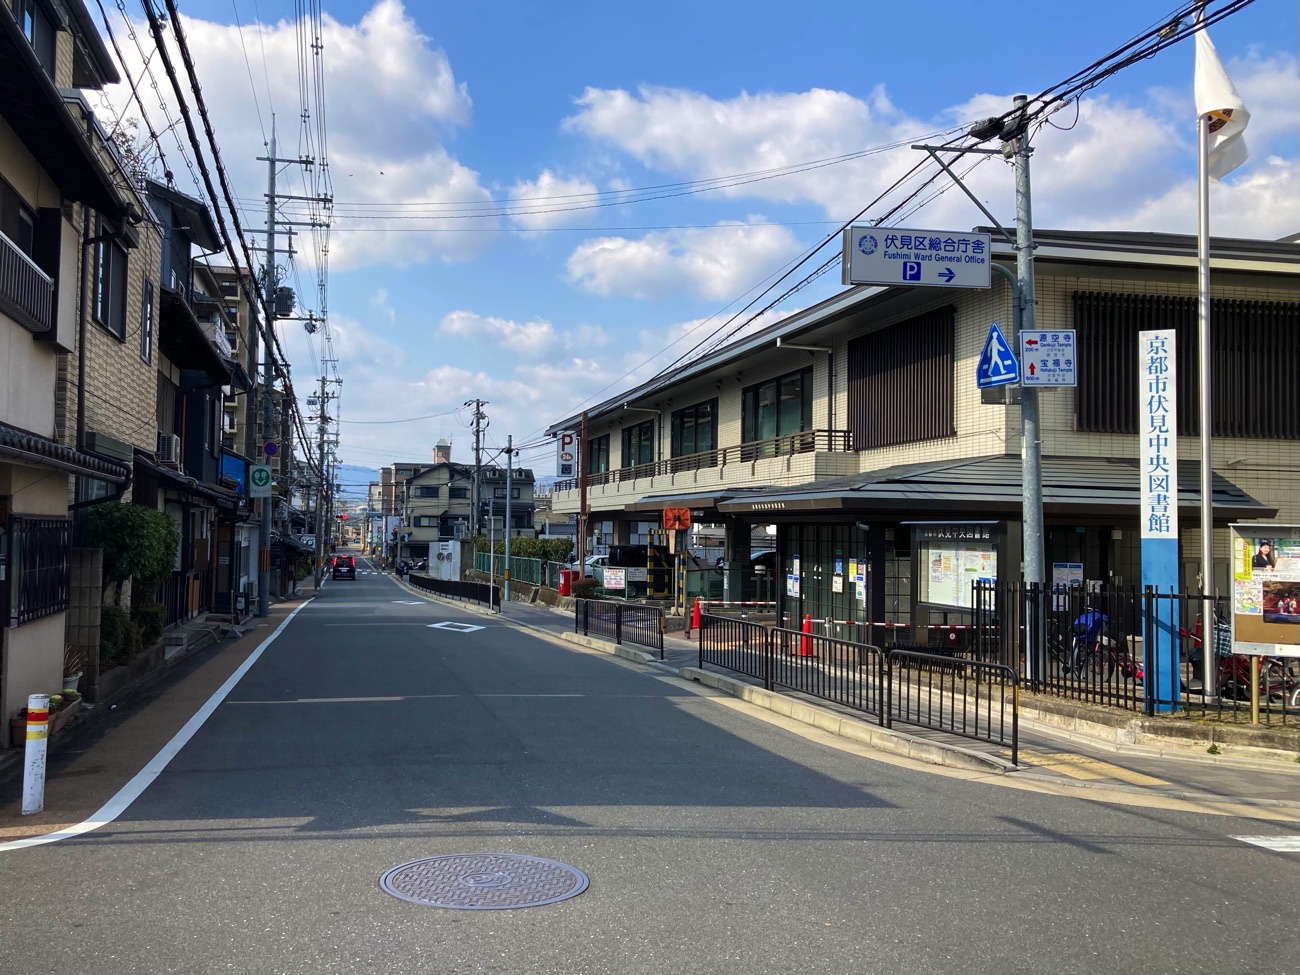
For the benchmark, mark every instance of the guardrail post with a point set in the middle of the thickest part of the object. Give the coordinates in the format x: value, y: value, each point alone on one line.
x: 886, y: 692
x: 767, y: 660
x: 618, y: 624
x: 586, y: 617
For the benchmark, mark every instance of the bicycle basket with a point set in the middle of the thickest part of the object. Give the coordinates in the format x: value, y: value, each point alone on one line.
x: 1222, y: 640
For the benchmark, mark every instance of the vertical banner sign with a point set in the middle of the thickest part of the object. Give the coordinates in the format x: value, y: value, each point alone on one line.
x: 566, y: 453
x: 1158, y: 450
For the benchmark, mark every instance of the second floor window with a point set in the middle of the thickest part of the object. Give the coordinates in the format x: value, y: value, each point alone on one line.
x: 598, y: 455
x: 458, y: 494
x: 110, y: 287
x: 39, y: 31
x: 16, y: 219
x: 146, y: 322
x: 778, y: 407
x: 695, y: 429
x: 428, y: 491
x: 639, y: 444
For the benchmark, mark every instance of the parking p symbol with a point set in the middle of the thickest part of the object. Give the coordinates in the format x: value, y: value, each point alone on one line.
x: 911, y: 270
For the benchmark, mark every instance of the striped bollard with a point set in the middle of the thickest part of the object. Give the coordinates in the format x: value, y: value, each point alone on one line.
x: 38, y: 731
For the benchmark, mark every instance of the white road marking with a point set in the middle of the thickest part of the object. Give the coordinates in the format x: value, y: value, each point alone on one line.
x: 408, y: 602
x: 1279, y: 844
x: 144, y: 778
x: 455, y: 627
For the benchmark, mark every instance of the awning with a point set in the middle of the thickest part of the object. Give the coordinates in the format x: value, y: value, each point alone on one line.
x: 1077, y: 486
x: 31, y: 448
x: 692, y: 499
x: 182, y: 483
x: 35, y: 110
x: 182, y: 340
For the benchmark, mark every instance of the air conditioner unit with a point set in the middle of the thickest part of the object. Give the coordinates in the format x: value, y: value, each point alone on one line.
x: 169, y: 449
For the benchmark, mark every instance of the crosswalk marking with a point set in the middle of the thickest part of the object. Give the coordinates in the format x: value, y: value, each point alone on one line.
x: 1279, y: 844
x: 1088, y: 769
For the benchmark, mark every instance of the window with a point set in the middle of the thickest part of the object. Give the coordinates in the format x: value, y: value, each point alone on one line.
x: 1255, y: 348
x: 428, y: 491
x: 146, y: 322
x: 458, y: 493
x: 900, y: 382
x: 639, y: 444
x: 598, y: 455
x: 499, y: 492
x: 426, y: 521
x: 230, y: 289
x: 695, y: 429
x: 778, y: 407
x: 110, y: 286
x: 232, y: 313
x: 40, y: 549
x: 39, y: 31
x: 17, y: 222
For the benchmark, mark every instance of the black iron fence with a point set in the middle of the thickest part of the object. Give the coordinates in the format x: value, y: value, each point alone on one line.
x: 969, y: 698
x: 904, y: 685
x: 474, y: 592
x: 1138, y: 650
x: 621, y: 622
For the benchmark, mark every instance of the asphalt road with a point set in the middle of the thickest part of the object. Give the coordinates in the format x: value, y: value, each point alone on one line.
x: 364, y: 738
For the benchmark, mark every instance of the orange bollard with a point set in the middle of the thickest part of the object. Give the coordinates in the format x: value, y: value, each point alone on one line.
x: 695, y: 615
x: 805, y: 642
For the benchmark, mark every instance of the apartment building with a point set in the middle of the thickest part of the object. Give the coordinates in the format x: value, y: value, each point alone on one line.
x: 855, y: 427
x: 59, y: 198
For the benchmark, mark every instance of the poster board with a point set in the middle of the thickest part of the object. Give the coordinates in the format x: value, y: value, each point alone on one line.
x: 953, y: 557
x: 1266, y: 590
x: 615, y: 578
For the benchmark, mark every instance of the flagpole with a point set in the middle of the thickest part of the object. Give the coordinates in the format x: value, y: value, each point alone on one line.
x: 1211, y: 663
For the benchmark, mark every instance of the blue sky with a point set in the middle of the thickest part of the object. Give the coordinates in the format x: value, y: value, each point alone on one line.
x: 469, y: 103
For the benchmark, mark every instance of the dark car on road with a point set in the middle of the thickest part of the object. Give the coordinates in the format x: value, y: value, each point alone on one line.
x: 345, y: 567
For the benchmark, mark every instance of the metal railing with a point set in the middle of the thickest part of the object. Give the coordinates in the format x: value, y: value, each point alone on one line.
x: 970, y: 699
x: 26, y: 292
x: 1138, y: 650
x: 967, y: 698
x: 804, y: 442
x: 476, y: 592
x: 621, y: 622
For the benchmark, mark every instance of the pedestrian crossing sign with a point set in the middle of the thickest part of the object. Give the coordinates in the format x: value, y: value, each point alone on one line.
x: 998, y: 365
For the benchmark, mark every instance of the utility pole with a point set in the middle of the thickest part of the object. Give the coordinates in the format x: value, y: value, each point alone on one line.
x: 1031, y: 440
x: 510, y: 450
x: 583, y: 457
x: 264, y: 530
x: 479, y: 416
x: 320, y: 483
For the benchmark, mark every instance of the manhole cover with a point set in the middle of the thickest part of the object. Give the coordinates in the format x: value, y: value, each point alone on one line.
x: 484, y: 881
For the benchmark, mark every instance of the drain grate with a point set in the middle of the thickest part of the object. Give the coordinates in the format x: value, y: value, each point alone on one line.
x: 484, y: 881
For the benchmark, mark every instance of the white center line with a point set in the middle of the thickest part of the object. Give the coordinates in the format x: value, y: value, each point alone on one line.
x: 1279, y: 844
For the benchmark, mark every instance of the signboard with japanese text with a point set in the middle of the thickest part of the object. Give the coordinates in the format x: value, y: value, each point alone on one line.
x: 1266, y: 590
x: 1048, y: 358
x: 953, y: 557
x: 566, y: 453
x: 1158, y: 434
x: 917, y: 258
x: 615, y: 578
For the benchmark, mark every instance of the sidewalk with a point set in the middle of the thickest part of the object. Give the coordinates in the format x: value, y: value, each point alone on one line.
x: 1059, y: 742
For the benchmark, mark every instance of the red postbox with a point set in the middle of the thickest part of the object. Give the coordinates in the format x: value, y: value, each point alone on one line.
x: 566, y: 582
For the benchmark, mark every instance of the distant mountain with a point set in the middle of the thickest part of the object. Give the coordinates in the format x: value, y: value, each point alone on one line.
x: 354, y: 480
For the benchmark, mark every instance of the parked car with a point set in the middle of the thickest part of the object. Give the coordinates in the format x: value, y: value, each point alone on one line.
x: 345, y: 567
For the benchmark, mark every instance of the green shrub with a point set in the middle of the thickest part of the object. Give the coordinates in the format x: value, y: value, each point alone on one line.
x: 113, y: 621
x: 585, y: 588
x: 139, y: 543
x: 151, y: 620
x: 134, y: 645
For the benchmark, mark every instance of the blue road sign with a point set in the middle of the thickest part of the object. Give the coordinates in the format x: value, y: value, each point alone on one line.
x: 997, y: 365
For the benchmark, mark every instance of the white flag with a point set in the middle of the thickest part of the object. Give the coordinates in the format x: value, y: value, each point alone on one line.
x: 1217, y: 98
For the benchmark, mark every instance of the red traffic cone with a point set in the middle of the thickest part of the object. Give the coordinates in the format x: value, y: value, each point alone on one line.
x: 805, y: 642
x: 695, y: 615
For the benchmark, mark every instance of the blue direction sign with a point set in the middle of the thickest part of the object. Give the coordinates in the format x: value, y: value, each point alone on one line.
x: 917, y: 258
x: 997, y: 365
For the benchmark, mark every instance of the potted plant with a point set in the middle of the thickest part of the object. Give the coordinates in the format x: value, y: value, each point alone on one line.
x: 74, y: 665
x: 62, y: 709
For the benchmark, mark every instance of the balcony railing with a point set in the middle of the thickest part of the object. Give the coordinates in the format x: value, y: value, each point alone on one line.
x: 26, y: 292
x: 805, y: 442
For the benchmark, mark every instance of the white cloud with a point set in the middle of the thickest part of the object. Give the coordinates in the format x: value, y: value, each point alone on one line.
x: 714, y: 262
x: 392, y: 102
x: 563, y: 198
x: 526, y: 338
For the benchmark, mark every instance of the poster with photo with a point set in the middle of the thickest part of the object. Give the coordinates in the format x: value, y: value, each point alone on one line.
x: 1266, y: 589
